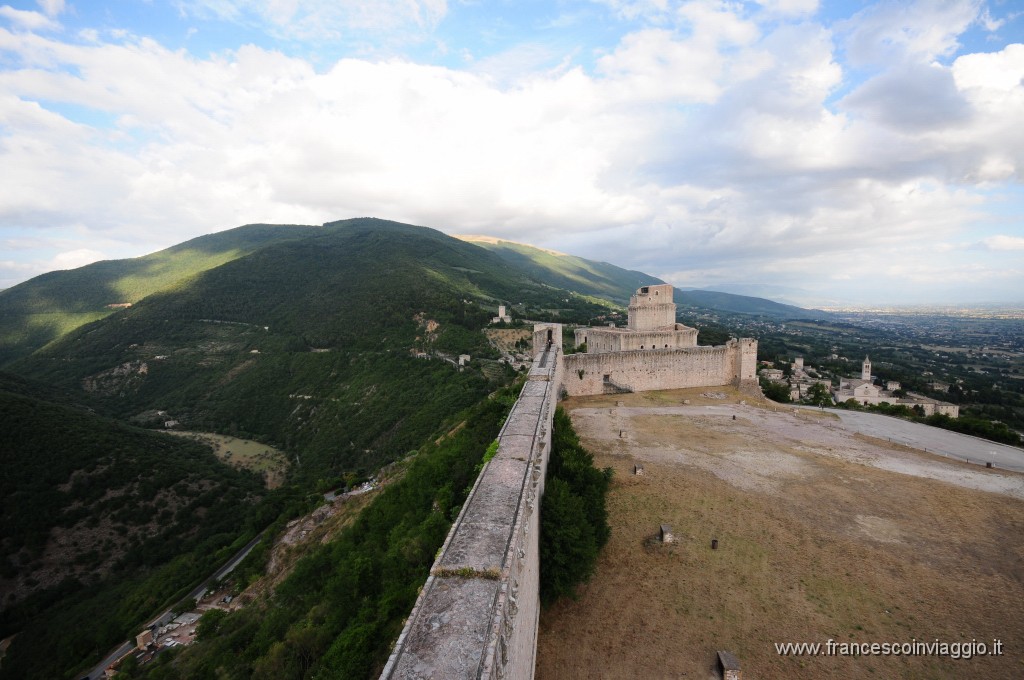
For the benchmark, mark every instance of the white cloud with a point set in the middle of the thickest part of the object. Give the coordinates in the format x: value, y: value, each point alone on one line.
x: 651, y: 10
x: 324, y: 19
x: 789, y: 7
x: 1004, y: 243
x: 989, y: 22
x: 33, y: 21
x: 994, y: 72
x: 911, y: 98
x: 76, y: 258
x: 891, y: 31
x: 51, y: 7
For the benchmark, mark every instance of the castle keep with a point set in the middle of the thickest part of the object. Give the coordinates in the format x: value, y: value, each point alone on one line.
x: 652, y: 353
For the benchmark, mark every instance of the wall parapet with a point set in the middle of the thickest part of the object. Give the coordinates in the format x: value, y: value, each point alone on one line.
x: 476, y: 616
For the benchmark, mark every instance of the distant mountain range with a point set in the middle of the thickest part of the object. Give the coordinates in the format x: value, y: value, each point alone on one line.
x: 742, y: 304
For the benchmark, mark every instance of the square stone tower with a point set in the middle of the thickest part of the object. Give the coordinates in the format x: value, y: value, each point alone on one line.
x: 651, y: 308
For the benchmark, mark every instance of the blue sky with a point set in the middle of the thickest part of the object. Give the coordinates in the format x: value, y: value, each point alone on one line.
x: 842, y: 152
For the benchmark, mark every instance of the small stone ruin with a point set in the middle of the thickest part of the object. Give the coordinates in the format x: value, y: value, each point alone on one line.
x: 666, y: 534
x: 638, y: 469
x: 730, y: 666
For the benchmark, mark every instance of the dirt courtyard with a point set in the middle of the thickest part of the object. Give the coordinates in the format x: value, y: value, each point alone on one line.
x: 821, y: 536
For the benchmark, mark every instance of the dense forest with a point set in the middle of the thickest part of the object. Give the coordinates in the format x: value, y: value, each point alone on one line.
x: 103, y: 524
x: 574, y: 521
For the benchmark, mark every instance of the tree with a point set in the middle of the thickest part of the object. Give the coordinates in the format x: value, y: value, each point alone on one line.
x: 775, y: 391
x: 819, y: 395
x: 568, y: 546
x: 573, y: 517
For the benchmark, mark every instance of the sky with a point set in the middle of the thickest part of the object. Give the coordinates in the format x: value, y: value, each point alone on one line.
x: 812, y: 151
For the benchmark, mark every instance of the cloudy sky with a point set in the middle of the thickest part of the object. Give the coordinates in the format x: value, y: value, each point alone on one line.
x: 812, y: 150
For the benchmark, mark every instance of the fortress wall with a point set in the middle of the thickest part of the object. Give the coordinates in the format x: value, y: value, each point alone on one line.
x: 477, y: 614
x: 659, y: 369
x: 646, y: 340
x: 602, y: 340
x: 651, y: 315
x: 598, y: 342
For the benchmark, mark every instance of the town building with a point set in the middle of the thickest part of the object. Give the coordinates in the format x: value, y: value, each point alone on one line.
x: 865, y: 392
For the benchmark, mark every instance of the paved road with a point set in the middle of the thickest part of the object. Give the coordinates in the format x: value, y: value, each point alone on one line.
x: 932, y: 439
x: 167, y: 616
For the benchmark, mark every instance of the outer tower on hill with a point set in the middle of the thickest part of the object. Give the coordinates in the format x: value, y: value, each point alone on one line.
x: 651, y: 308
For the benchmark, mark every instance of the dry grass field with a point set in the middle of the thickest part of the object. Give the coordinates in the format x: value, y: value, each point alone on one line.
x: 263, y: 459
x: 819, y: 538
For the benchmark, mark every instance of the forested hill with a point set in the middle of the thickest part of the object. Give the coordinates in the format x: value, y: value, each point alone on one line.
x: 311, y: 343
x: 48, y: 306
x: 102, y: 524
x: 599, y: 279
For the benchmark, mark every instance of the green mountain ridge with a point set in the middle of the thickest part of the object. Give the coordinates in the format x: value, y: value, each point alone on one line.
x: 50, y: 305
x: 310, y: 343
x: 598, y: 279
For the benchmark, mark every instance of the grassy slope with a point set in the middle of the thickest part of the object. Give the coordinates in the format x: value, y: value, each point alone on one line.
x: 49, y: 306
x: 598, y: 279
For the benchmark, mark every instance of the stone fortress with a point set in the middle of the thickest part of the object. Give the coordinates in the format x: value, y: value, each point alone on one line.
x: 653, y: 352
x: 477, y: 614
